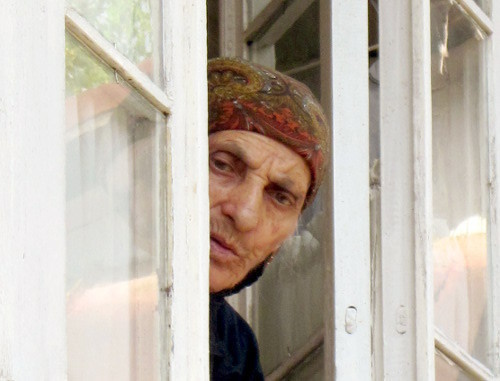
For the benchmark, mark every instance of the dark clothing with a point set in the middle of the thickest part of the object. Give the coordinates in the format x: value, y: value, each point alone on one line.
x: 234, y: 354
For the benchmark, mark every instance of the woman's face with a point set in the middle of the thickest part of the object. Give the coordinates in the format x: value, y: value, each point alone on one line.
x: 257, y: 190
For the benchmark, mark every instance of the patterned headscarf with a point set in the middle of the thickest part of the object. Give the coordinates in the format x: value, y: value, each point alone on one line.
x: 249, y: 97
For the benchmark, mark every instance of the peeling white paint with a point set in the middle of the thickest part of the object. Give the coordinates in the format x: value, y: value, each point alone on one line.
x: 32, y: 231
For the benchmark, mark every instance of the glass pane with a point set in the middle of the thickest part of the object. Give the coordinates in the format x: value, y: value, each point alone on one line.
x: 311, y: 77
x: 111, y: 188
x: 460, y: 180
x: 447, y: 370
x: 290, y: 294
x: 213, y: 29
x: 131, y: 25
x: 254, y: 7
x: 300, y: 44
x: 484, y: 5
x: 311, y: 369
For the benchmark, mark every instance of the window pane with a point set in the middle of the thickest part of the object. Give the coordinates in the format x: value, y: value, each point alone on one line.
x: 300, y: 44
x: 446, y: 370
x: 484, y: 5
x: 460, y: 180
x: 254, y: 7
x: 111, y: 188
x: 290, y: 294
x: 132, y: 25
x: 311, y: 369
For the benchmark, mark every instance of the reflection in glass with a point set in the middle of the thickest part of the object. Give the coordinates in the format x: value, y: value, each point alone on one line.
x: 446, y: 370
x: 290, y: 296
x: 484, y: 5
x: 131, y: 25
x: 311, y: 369
x: 289, y: 300
x: 460, y: 180
x: 300, y: 44
x: 112, y: 321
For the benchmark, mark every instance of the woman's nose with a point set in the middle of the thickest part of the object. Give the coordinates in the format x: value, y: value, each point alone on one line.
x: 244, y: 205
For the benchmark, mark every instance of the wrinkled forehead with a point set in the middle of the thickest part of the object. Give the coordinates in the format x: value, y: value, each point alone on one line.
x: 259, y: 152
x: 248, y: 97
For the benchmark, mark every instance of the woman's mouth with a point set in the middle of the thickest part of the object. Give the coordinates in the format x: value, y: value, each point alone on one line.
x: 220, y: 251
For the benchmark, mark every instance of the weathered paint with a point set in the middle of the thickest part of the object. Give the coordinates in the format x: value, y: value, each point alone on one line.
x: 231, y: 28
x: 344, y: 63
x: 81, y: 29
x: 422, y: 188
x: 185, y: 310
x: 493, y: 72
x: 32, y: 202
x: 406, y: 312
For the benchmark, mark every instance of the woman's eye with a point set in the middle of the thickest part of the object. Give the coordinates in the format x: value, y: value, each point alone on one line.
x: 221, y: 165
x: 283, y: 198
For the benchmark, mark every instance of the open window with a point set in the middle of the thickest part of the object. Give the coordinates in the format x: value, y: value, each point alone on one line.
x: 136, y: 282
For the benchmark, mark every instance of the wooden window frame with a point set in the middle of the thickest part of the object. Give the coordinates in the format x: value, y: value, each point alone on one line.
x: 346, y: 336
x: 183, y: 209
x: 32, y: 227
x: 411, y: 174
x: 32, y: 200
x: 404, y: 293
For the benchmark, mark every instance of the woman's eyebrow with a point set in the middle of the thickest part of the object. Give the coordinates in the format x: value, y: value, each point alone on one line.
x: 283, y: 181
x: 236, y: 150
x: 288, y: 184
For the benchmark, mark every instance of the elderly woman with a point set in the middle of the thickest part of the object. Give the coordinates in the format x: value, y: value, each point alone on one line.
x: 268, y: 144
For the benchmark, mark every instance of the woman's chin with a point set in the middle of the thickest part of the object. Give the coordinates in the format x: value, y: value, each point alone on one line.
x: 220, y: 279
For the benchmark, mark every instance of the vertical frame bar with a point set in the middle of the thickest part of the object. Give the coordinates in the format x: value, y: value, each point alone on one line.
x: 344, y: 63
x: 406, y: 192
x: 184, y: 299
x: 493, y: 75
x: 422, y: 164
x: 231, y: 28
x: 32, y: 202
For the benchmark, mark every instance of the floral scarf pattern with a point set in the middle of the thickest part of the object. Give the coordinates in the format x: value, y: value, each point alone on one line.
x: 246, y: 96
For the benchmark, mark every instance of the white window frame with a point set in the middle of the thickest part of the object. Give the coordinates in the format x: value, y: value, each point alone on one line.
x: 344, y: 54
x: 32, y: 153
x: 32, y: 146
x: 405, y: 286
x: 186, y: 291
x: 346, y: 335
x: 405, y: 345
x: 493, y: 73
x: 32, y: 202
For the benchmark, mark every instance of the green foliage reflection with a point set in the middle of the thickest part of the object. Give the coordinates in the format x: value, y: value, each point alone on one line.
x: 126, y: 24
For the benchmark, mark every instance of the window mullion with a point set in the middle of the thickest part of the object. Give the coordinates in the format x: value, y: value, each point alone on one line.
x: 460, y: 357
x: 32, y: 199
x: 493, y: 73
x: 184, y: 266
x: 477, y: 14
x: 344, y: 82
x: 422, y: 177
x: 407, y: 345
x: 105, y: 51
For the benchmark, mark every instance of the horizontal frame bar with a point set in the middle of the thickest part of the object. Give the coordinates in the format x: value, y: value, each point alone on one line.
x: 287, y: 366
x: 274, y: 20
x: 460, y: 357
x: 264, y: 20
x: 307, y: 66
x: 477, y: 14
x: 84, y: 32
